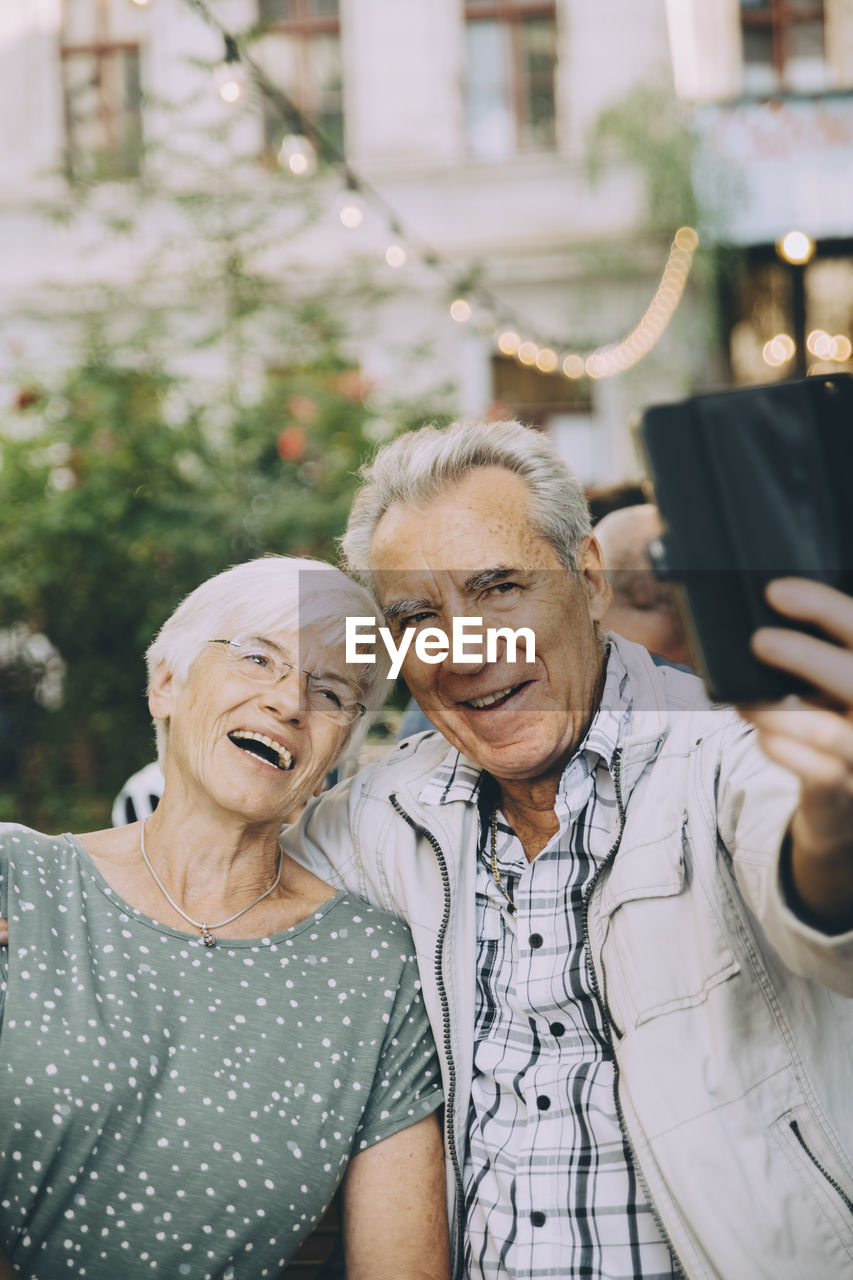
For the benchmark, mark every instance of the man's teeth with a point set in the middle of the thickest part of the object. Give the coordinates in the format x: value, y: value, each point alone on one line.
x: 490, y: 698
x: 279, y: 752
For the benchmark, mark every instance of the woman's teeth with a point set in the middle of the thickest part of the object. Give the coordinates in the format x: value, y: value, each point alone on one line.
x: 275, y: 753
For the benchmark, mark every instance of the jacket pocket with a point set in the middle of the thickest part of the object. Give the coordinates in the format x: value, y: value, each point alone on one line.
x: 665, y: 947
x: 813, y: 1157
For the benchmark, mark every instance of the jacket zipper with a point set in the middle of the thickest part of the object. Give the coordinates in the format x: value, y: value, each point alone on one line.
x: 795, y: 1129
x: 609, y: 1021
x: 450, y: 1100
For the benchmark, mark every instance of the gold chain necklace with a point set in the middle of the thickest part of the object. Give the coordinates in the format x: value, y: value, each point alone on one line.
x: 203, y: 928
x: 495, y: 872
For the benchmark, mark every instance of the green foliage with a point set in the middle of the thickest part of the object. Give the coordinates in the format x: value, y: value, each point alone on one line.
x: 650, y: 129
x: 124, y: 484
x: 109, y: 514
x: 685, y: 185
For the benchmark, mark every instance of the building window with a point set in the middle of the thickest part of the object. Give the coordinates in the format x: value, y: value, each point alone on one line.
x: 511, y: 58
x: 783, y: 46
x: 301, y: 53
x: 521, y: 391
x: 99, y: 57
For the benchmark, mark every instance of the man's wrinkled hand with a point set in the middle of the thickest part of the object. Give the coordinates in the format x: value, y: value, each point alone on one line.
x: 814, y: 740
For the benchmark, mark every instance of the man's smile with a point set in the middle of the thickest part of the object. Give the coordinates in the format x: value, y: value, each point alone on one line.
x: 499, y: 698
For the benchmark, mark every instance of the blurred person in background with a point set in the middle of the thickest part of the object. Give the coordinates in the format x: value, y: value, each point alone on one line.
x: 199, y: 1039
x: 643, y: 608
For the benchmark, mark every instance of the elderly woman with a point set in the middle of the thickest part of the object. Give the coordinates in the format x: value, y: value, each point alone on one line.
x: 199, y: 1038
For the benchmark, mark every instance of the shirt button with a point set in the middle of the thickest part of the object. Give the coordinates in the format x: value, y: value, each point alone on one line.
x: 537, y: 1218
x: 557, y: 1029
x: 535, y: 940
x: 543, y: 1102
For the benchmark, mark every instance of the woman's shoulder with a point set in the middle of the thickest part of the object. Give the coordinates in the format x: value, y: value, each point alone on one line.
x: 374, y: 927
x: 14, y: 836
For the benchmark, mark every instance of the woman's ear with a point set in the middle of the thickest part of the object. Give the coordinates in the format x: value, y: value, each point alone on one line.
x: 162, y: 693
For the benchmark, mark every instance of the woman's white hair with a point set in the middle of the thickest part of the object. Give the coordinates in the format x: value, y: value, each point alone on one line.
x: 262, y: 597
x: 415, y: 469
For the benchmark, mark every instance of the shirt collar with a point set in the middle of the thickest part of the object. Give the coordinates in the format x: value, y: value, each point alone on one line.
x: 458, y: 778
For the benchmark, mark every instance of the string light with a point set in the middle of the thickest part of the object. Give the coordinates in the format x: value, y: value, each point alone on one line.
x: 546, y: 360
x: 351, y: 210
x: 230, y: 74
x: 796, y: 247
x: 603, y: 362
x: 298, y: 155
x: 616, y: 357
x: 828, y: 347
x: 778, y: 350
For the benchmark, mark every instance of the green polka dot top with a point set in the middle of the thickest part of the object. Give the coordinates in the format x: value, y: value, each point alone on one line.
x: 175, y: 1110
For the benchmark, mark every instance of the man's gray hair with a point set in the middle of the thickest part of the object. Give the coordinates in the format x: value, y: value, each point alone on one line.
x: 415, y: 469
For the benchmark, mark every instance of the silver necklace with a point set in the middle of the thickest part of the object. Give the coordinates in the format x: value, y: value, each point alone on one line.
x: 495, y: 871
x: 205, y: 929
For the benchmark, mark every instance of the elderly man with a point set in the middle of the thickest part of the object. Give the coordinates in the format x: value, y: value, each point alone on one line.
x: 632, y: 926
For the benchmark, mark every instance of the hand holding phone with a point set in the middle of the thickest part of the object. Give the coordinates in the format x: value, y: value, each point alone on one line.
x: 814, y: 741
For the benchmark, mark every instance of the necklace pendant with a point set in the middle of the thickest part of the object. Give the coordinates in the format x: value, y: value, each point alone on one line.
x: 207, y: 937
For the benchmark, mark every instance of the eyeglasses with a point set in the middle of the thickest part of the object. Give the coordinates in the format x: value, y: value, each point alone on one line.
x: 327, y: 695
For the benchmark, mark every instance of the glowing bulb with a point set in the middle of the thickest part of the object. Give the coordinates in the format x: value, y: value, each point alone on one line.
x: 771, y: 356
x: 351, y: 212
x: 508, y: 342
x: 573, y: 366
x: 230, y: 73
x: 460, y: 310
x: 298, y: 155
x: 796, y: 247
x: 395, y: 255
x: 843, y: 348
x: 820, y: 344
x: 140, y: 4
x: 527, y: 352
x: 546, y: 360
x: 230, y: 90
x: 784, y: 346
x: 687, y: 239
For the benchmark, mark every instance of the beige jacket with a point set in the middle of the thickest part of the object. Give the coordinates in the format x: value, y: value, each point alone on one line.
x: 731, y: 1021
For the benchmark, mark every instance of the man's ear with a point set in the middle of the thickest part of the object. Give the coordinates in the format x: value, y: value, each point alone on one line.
x: 163, y: 692
x: 592, y: 575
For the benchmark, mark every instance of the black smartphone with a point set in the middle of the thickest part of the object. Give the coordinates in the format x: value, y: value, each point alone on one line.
x: 751, y: 484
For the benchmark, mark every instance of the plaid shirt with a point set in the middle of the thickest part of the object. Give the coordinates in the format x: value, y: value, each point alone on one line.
x: 550, y: 1185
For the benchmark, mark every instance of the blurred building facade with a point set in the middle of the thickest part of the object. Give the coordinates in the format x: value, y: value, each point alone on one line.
x: 511, y: 241
x: 771, y: 86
